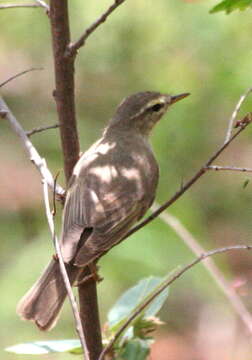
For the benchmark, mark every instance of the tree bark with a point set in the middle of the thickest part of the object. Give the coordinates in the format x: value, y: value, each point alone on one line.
x: 64, y: 84
x: 65, y: 101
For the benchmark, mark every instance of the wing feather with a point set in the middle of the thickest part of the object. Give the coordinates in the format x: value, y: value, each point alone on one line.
x: 107, y: 197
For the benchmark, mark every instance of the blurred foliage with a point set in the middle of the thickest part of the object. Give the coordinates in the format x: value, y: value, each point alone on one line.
x: 230, y: 5
x: 169, y: 46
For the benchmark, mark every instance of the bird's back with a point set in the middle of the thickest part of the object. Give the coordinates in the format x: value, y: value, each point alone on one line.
x: 113, y: 185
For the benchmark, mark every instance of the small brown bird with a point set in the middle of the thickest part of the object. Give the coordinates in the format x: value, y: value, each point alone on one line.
x: 112, y: 186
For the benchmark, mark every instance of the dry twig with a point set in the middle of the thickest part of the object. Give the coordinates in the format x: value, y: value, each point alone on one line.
x: 73, y: 47
x: 19, y: 74
x: 40, y: 129
x: 43, y: 4
x: 32, y: 152
x: 228, y: 168
x: 235, y: 113
x: 13, y: 6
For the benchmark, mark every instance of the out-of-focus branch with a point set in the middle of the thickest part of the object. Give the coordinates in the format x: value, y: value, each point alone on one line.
x: 33, y: 154
x: 38, y: 3
x: 163, y: 286
x: 73, y: 47
x: 235, y: 113
x: 210, y: 265
x: 43, y: 4
x: 40, y: 129
x: 19, y: 74
x: 228, y: 168
x: 63, y: 269
x: 13, y: 6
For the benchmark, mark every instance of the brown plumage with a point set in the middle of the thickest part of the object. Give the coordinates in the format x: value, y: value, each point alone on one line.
x: 112, y: 186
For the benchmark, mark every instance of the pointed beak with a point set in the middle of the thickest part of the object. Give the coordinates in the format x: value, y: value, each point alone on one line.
x: 176, y: 98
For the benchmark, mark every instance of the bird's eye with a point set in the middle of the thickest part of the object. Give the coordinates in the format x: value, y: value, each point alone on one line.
x: 156, y: 107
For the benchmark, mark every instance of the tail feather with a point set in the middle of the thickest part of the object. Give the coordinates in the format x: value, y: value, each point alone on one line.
x: 43, y: 302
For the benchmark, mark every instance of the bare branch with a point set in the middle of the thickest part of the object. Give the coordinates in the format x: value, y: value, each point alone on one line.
x: 188, y: 184
x: 64, y: 84
x: 230, y: 168
x: 13, y: 6
x: 40, y: 129
x: 63, y: 269
x: 235, y: 113
x: 32, y: 152
x: 43, y: 4
x: 163, y: 286
x: 210, y: 265
x: 73, y: 47
x: 19, y: 74
x: 65, y: 101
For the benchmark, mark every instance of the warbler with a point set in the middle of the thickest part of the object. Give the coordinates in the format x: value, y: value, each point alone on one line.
x: 112, y: 186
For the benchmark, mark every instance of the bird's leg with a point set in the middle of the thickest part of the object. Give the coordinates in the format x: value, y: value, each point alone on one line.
x: 55, y: 257
x: 93, y: 268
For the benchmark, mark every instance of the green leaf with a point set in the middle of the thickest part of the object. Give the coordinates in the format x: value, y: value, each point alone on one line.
x: 144, y: 327
x: 230, y: 5
x: 134, y: 297
x: 136, y: 349
x: 245, y: 184
x: 45, y: 347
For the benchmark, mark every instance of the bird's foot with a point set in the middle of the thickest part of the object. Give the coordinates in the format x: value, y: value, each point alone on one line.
x: 93, y: 268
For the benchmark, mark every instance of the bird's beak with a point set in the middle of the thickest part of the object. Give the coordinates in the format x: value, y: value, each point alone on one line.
x: 176, y: 98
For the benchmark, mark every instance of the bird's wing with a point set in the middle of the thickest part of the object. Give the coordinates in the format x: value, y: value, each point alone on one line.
x: 105, y: 201
x: 99, y: 242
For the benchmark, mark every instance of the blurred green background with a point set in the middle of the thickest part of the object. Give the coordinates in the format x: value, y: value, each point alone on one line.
x: 167, y: 46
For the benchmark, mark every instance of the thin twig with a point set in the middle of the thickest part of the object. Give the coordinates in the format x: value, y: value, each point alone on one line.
x: 230, y: 168
x: 73, y: 47
x: 40, y: 129
x: 19, y: 74
x: 13, y: 6
x: 54, y: 194
x: 187, y: 185
x: 210, y: 265
x: 43, y: 4
x: 163, y: 286
x: 32, y: 152
x: 235, y: 113
x: 63, y: 269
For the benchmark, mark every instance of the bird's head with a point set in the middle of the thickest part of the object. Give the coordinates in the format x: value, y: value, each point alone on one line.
x: 141, y: 111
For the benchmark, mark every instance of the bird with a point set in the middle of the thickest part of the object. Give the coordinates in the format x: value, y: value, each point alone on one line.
x: 112, y: 186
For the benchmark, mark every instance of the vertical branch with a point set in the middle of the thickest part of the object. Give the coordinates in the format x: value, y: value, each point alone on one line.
x: 64, y: 82
x: 64, y: 97
x: 89, y: 313
x: 235, y: 113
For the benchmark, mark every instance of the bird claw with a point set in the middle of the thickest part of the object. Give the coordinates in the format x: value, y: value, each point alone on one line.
x: 94, y: 276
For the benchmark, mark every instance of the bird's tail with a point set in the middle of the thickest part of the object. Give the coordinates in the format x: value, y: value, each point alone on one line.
x: 42, y: 303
